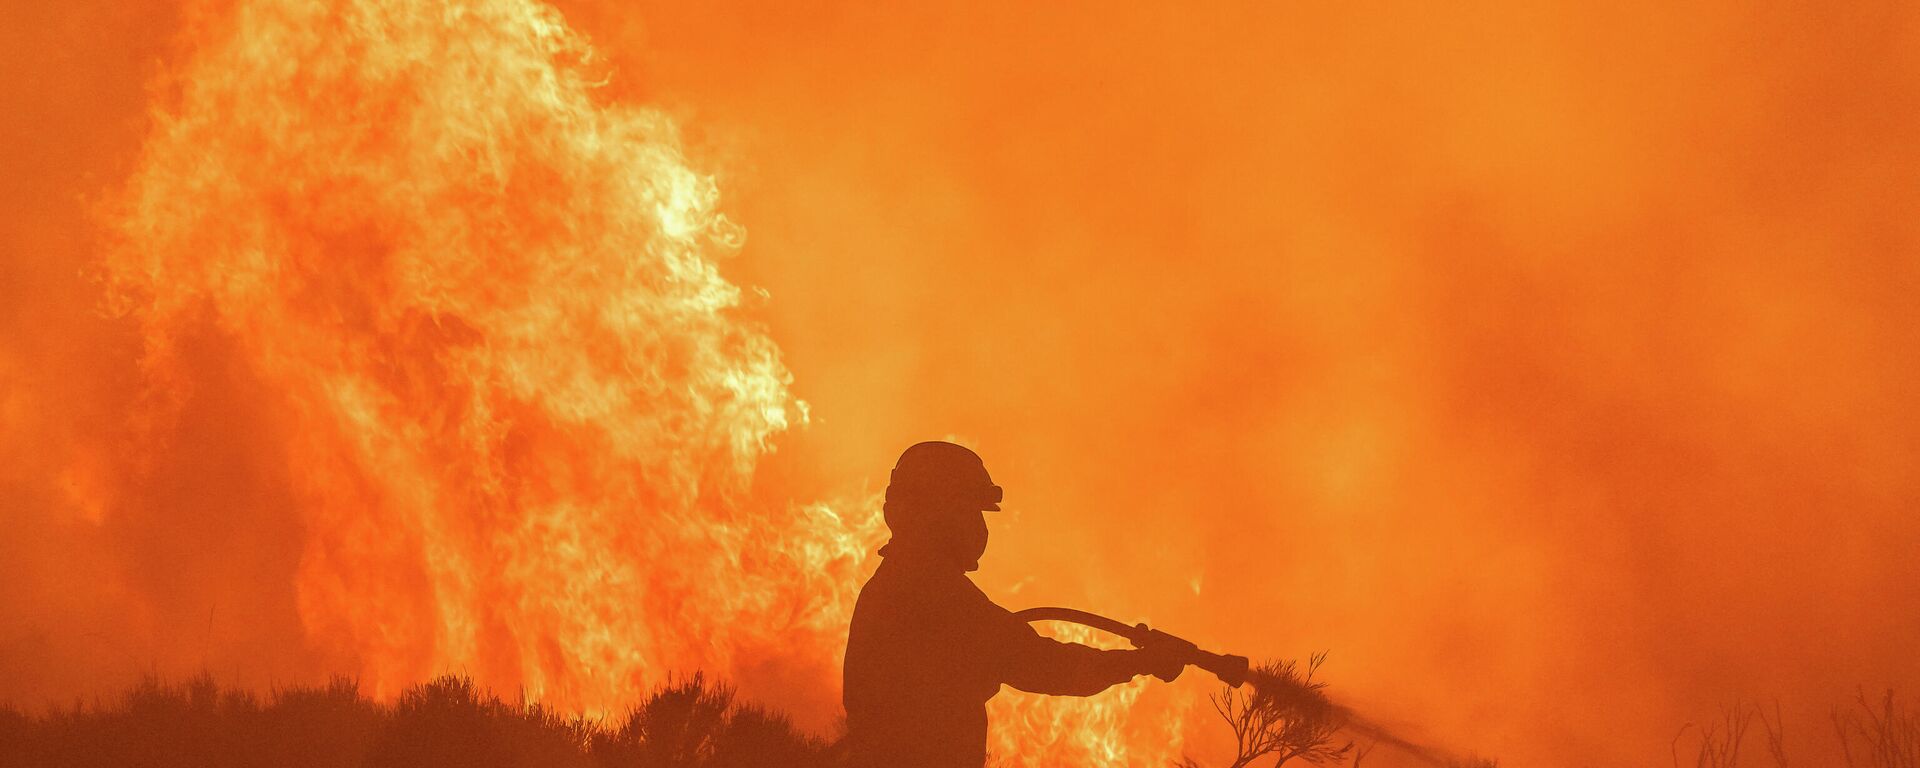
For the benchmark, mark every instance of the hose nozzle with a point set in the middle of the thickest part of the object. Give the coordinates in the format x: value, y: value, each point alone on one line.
x: 1231, y: 669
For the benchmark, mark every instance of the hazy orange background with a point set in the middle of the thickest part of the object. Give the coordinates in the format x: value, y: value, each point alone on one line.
x: 1552, y: 367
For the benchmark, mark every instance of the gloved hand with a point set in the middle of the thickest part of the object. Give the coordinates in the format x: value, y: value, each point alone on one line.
x: 1164, y: 656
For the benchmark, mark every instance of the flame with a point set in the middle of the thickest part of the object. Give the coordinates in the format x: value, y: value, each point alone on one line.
x: 1112, y: 728
x: 1543, y: 363
x: 523, y: 409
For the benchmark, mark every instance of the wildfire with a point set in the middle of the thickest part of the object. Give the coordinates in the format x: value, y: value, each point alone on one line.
x: 521, y: 412
x: 1108, y: 729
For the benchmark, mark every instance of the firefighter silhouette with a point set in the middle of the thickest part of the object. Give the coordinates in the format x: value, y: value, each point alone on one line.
x: 927, y: 649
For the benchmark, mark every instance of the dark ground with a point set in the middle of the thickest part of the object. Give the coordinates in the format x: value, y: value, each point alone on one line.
x: 446, y: 722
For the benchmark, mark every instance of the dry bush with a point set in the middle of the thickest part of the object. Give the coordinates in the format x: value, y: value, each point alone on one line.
x: 442, y: 723
x: 1873, y: 734
x: 1719, y: 742
x: 1776, y: 729
x: 1888, y: 734
x: 1285, y: 716
x: 696, y: 723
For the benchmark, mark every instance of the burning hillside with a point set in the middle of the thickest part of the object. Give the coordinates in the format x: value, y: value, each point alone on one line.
x: 1549, y: 365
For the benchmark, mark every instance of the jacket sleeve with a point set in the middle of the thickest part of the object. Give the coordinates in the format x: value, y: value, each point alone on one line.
x: 1036, y: 664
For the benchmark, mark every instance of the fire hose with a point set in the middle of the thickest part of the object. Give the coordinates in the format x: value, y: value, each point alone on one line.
x: 1231, y: 669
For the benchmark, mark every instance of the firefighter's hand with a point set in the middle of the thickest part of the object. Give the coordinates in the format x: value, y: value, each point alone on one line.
x: 1164, y: 660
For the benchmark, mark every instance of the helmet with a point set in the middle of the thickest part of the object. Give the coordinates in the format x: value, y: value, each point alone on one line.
x: 937, y: 473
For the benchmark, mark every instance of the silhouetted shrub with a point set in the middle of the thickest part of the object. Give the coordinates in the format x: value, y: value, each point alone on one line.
x: 693, y: 723
x: 320, y: 727
x: 445, y: 723
x: 1879, y: 733
x: 1285, y: 714
x: 1720, y: 742
x: 756, y: 736
x: 1883, y: 735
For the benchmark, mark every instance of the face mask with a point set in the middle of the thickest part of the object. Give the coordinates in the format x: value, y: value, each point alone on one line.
x: 970, y: 538
x: 956, y: 537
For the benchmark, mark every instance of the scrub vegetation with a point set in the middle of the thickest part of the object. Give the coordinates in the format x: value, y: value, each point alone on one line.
x: 445, y: 722
x: 696, y: 723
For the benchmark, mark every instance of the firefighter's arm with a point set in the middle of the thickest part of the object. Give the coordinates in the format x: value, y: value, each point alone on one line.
x: 1037, y: 664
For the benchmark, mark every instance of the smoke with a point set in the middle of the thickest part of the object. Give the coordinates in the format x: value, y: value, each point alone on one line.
x: 433, y: 369
x: 1545, y: 365
x: 1551, y: 367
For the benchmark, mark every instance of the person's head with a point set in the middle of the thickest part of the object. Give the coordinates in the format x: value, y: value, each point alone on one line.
x: 934, y: 503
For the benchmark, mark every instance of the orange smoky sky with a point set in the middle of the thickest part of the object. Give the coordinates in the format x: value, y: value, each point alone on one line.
x: 1552, y: 367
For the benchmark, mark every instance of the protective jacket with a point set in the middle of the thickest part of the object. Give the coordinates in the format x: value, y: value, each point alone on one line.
x: 927, y: 649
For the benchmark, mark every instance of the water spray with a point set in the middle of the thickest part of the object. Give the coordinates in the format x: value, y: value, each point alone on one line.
x: 1237, y: 671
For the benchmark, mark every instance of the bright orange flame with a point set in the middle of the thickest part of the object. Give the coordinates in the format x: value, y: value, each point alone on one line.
x: 524, y: 412
x: 1546, y: 363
